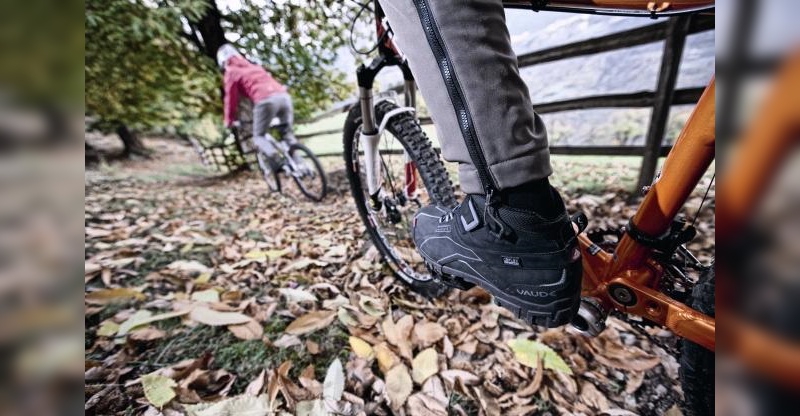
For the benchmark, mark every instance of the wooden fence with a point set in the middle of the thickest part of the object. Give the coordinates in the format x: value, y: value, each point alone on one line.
x: 674, y: 32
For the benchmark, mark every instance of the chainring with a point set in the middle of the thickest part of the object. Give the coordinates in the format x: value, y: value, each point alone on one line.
x: 672, y: 284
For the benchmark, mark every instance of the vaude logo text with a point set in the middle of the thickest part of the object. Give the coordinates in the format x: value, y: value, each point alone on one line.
x: 535, y: 293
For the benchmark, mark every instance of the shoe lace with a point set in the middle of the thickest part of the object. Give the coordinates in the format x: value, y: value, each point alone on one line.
x: 449, y: 216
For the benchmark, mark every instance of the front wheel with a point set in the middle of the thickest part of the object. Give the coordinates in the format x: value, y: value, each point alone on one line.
x: 307, y: 172
x: 405, y: 154
x: 270, y: 176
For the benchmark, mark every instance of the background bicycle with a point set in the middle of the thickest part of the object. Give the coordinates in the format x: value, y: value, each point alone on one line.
x: 295, y: 162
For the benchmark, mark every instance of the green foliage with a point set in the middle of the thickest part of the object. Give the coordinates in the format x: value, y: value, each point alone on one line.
x: 139, y: 71
x: 146, y: 66
x: 42, y: 44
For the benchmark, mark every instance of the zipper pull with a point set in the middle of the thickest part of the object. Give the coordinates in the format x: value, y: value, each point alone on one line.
x: 497, y: 227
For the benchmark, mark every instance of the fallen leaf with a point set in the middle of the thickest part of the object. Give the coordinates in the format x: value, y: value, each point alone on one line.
x: 428, y: 333
x: 203, y: 278
x: 333, y: 386
x: 387, y: 359
x: 312, y: 347
x: 158, y: 389
x: 90, y: 268
x: 211, y: 317
x: 593, y: 397
x: 244, y: 405
x: 673, y: 411
x: 361, y: 348
x: 92, y: 232
x: 286, y: 341
x: 476, y: 294
x: 256, y: 385
x: 434, y: 388
x: 146, y: 334
x: 527, y: 352
x: 423, y: 405
x: 533, y: 387
x: 232, y: 296
x: 107, y: 328
x: 144, y: 317
x: 371, y: 306
x: 346, y: 317
x: 310, y: 322
x: 335, y: 303
x: 399, y: 334
x: 297, y: 295
x: 189, y: 266
x: 447, y: 347
x: 311, y: 408
x: 247, y: 331
x: 260, y: 255
x: 303, y: 263
x: 105, y: 296
x: 424, y: 365
x: 466, y: 377
x: 489, y: 316
x: 618, y: 412
x: 209, y: 295
x: 635, y: 380
x: 398, y: 386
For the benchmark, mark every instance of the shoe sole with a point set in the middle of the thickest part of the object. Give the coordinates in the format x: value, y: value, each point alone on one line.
x: 551, y: 314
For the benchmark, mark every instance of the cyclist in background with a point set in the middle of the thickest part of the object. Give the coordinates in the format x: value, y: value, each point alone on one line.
x: 511, y: 234
x: 270, y: 100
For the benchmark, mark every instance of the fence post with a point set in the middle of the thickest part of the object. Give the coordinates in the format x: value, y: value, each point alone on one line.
x: 670, y: 61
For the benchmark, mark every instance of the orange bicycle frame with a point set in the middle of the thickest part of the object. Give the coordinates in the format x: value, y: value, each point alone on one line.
x: 630, y: 268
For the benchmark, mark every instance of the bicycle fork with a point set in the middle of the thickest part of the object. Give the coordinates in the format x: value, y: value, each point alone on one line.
x: 370, y: 136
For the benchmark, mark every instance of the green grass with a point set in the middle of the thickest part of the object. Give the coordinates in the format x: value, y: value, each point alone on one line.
x: 246, y: 358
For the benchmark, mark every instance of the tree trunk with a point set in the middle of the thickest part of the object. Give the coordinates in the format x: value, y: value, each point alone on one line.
x: 211, y: 37
x: 133, y: 144
x: 210, y: 28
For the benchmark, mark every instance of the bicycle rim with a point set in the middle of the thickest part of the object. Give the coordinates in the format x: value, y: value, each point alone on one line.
x: 270, y: 177
x: 307, y: 173
x: 394, y: 234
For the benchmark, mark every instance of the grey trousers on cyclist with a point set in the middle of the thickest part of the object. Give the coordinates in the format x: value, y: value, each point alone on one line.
x: 264, y: 112
x: 482, y: 94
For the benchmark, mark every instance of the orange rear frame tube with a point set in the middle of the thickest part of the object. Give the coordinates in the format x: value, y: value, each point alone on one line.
x: 631, y: 265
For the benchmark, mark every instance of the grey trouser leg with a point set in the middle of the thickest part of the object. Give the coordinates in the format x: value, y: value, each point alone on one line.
x: 264, y: 112
x: 497, y: 111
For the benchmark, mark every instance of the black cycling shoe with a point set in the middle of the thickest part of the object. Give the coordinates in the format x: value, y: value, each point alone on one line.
x: 531, y: 265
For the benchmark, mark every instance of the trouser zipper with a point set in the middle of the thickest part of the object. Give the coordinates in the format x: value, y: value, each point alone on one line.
x: 464, y: 117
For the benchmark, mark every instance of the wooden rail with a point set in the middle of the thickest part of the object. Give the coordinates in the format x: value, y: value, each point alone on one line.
x: 620, y: 40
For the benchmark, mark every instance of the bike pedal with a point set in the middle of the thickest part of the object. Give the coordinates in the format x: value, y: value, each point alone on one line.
x: 455, y: 282
x: 447, y: 279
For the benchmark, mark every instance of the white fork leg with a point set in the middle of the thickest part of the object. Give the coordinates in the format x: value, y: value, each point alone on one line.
x: 372, y: 161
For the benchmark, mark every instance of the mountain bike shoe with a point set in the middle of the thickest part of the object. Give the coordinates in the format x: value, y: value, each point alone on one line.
x: 531, y: 265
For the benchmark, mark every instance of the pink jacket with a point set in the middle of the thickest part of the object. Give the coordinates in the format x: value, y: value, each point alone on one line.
x: 243, y: 77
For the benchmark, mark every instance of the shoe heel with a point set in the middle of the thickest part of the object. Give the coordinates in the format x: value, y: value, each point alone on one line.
x: 552, y: 315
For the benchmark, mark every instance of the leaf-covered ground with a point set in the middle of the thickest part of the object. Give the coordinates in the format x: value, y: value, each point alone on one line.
x: 212, y: 297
